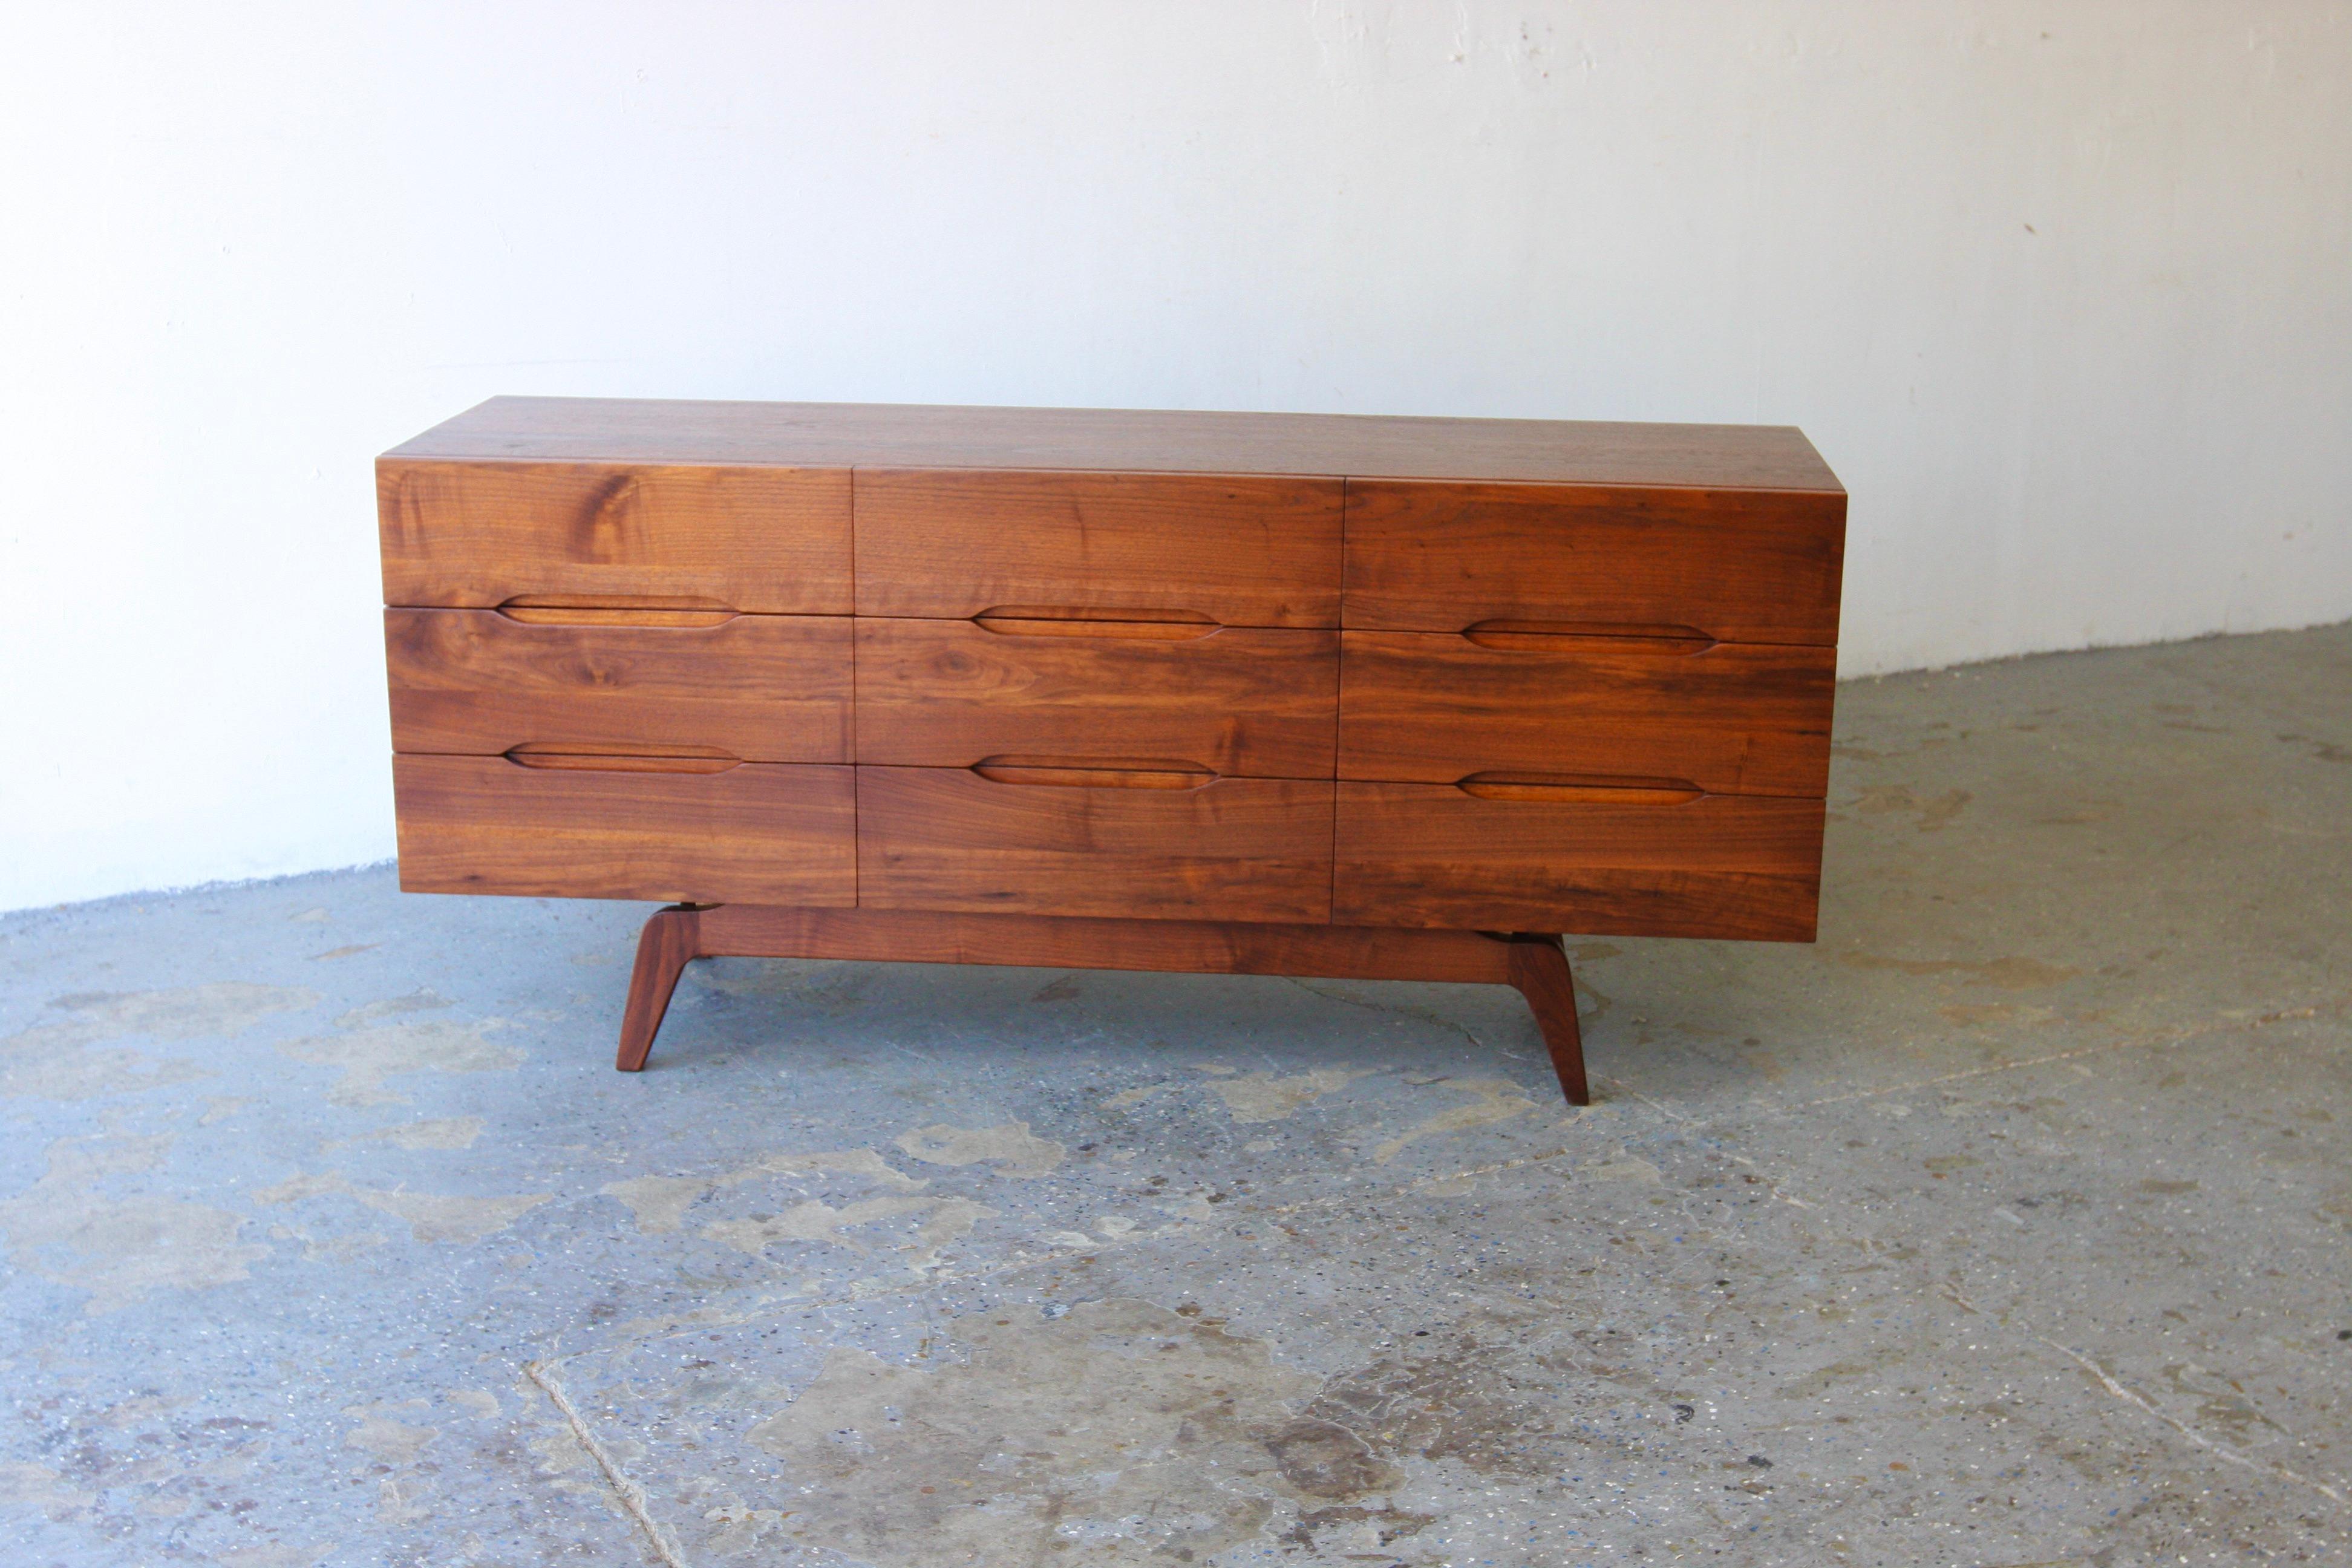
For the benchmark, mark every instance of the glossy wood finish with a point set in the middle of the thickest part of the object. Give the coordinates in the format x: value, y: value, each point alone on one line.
x: 481, y: 534
x: 1045, y: 941
x: 1535, y: 965
x: 1539, y: 969
x: 1721, y: 866
x: 917, y: 435
x: 771, y: 689
x: 1232, y: 849
x: 758, y: 832
x: 1736, y: 566
x: 1070, y: 688
x: 1240, y: 701
x: 1234, y: 550
x: 1730, y: 717
x: 668, y: 944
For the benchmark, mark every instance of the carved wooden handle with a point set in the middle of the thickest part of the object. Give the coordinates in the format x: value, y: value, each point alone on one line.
x: 1052, y: 621
x: 614, y: 610
x: 579, y: 758
x: 1095, y: 772
x: 1585, y: 789
x: 1569, y: 636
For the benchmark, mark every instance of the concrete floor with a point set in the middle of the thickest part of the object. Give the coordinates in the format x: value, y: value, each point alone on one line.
x: 2006, y: 1225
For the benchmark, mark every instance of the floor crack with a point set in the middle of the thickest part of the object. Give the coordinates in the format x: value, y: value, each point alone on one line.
x: 2219, y: 1451
x: 2201, y: 1028
x: 1424, y: 1014
x: 632, y: 1496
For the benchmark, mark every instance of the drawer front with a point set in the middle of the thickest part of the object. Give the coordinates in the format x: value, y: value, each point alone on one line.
x: 1237, y: 550
x: 1728, y: 718
x: 1249, y: 701
x: 758, y: 832
x: 479, y: 535
x: 769, y: 689
x: 1717, y: 865
x: 1738, y: 566
x: 1234, y: 849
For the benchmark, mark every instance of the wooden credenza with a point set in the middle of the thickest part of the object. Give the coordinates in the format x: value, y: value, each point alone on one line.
x: 1265, y: 693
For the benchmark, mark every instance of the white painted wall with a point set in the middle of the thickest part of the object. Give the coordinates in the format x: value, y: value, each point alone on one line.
x: 2063, y: 291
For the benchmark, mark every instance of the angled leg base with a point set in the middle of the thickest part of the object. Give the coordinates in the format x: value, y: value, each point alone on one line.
x: 1536, y: 965
x: 668, y: 944
x: 1539, y: 969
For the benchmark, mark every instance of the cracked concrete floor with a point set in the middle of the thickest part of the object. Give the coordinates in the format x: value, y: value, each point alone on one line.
x: 2006, y: 1225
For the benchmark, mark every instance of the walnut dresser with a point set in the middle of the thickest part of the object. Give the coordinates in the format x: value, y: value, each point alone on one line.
x: 1287, y: 694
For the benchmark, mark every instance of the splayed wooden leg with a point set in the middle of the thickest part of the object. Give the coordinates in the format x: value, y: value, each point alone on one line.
x: 1539, y: 969
x: 671, y: 940
x: 1536, y: 965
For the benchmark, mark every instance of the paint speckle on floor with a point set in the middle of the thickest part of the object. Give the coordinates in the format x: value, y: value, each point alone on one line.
x: 1009, y: 1149
x: 1271, y: 1097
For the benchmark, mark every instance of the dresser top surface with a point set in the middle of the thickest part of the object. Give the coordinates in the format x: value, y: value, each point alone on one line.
x: 889, y: 434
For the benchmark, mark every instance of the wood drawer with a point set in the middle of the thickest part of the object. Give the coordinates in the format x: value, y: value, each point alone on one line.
x: 1234, y: 849
x: 1735, y: 565
x: 1728, y: 718
x: 769, y: 689
x: 1717, y: 866
x: 1234, y: 550
x: 481, y: 534
x: 758, y: 832
x: 1238, y: 701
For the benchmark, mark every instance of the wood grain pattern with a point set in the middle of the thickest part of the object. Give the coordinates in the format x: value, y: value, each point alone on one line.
x: 1733, y: 718
x: 479, y: 534
x: 914, y: 436
x: 1738, y: 566
x: 668, y: 944
x: 772, y: 689
x: 1048, y: 942
x: 1257, y: 703
x: 760, y: 832
x: 1539, y: 969
x: 1098, y: 683
x: 1236, y: 849
x: 1723, y: 866
x: 1238, y: 550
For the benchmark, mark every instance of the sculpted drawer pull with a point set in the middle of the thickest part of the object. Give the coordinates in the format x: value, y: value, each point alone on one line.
x: 1566, y: 636
x: 1047, y: 621
x: 1095, y: 772
x: 1581, y: 789
x: 614, y: 610
x: 578, y: 758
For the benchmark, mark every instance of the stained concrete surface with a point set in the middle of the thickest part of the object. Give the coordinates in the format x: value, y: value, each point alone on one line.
x: 2007, y: 1225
